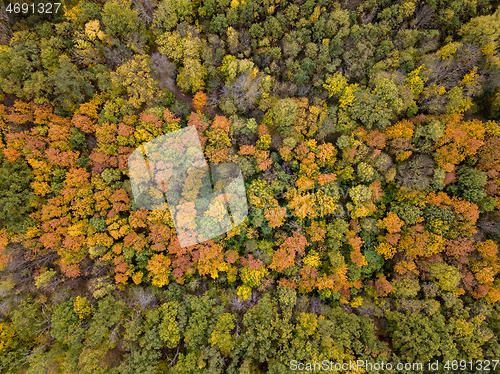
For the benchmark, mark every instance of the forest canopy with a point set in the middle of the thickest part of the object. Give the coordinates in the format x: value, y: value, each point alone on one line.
x: 368, y: 140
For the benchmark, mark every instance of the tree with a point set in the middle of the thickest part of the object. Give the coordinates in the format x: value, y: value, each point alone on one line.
x: 71, y: 88
x: 133, y: 77
x: 419, y: 337
x: 159, y: 268
x: 217, y: 149
x: 336, y: 84
x: 211, y: 260
x: 10, y: 348
x: 221, y: 337
x: 471, y: 182
x: 283, y: 115
x: 66, y: 326
x: 199, y: 101
x: 284, y: 257
x: 168, y: 328
x: 242, y: 92
x: 169, y: 13
x: 450, y: 153
x: 186, y: 50
x: 119, y: 19
x: 481, y: 30
x: 191, y: 77
x: 16, y: 196
x: 197, y: 330
x: 392, y: 223
x: 20, y: 67
x: 275, y: 216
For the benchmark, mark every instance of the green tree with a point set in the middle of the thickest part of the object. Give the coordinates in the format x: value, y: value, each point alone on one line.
x: 221, y: 336
x: 133, y: 78
x: 71, y: 87
x: 169, y: 330
x: 16, y: 196
x: 420, y: 338
x: 169, y: 13
x: 20, y: 66
x: 283, y: 114
x: 66, y: 326
x: 482, y: 30
x: 108, y: 314
x: 11, y: 348
x: 471, y: 183
x: 197, y: 330
x: 119, y: 19
x: 186, y: 50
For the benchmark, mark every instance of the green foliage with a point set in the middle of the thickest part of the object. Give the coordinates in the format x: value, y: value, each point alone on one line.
x: 119, y: 19
x: 197, y: 330
x: 44, y: 278
x: 169, y: 13
x: 98, y: 223
x: 133, y: 77
x: 470, y: 178
x: 65, y: 322
x: 420, y: 338
x: 168, y: 328
x: 287, y: 298
x: 77, y: 139
x: 406, y: 288
x: 221, y: 336
x: 370, y: 109
x: 365, y: 172
x: 387, y: 91
x: 487, y: 204
x: 435, y: 212
x: 11, y: 349
x: 448, y: 276
x: 108, y: 313
x: 482, y: 30
x: 24, y: 319
x: 20, y: 65
x: 355, y: 333
x: 70, y: 87
x: 407, y: 212
x: 283, y: 115
x: 471, y: 182
x: 16, y: 197
x: 186, y: 50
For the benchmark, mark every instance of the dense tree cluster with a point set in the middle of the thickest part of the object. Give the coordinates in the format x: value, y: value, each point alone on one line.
x: 367, y: 137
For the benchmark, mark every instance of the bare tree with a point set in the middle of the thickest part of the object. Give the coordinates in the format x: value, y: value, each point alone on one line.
x: 116, y: 56
x: 5, y: 25
x: 245, y: 39
x: 145, y: 10
x: 416, y: 172
x: 368, y: 17
x: 241, y: 305
x: 448, y: 72
x: 315, y: 306
x: 243, y: 91
x: 44, y: 321
x: 424, y: 18
x: 162, y: 70
x: 136, y: 42
x: 143, y: 297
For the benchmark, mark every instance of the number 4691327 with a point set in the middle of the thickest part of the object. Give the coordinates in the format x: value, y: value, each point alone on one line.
x: 46, y: 8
